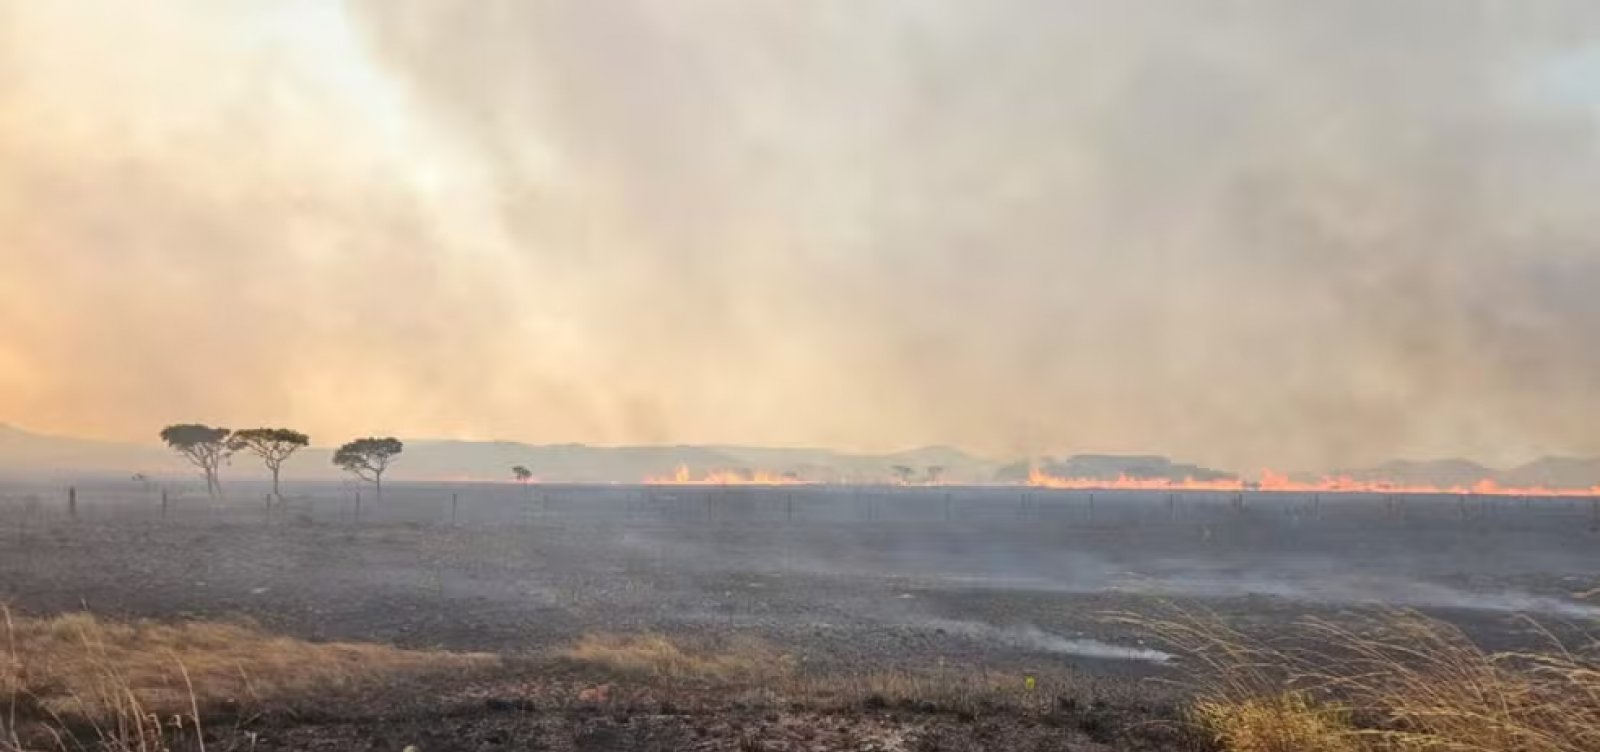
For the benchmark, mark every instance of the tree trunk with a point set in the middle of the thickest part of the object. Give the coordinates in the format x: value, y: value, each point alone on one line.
x: 275, y: 491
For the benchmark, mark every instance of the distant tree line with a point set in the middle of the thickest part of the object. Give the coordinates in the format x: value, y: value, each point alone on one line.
x: 209, y: 448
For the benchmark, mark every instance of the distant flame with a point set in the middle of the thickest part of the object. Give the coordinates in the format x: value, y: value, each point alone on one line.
x: 1272, y: 481
x: 682, y: 477
x: 1281, y: 482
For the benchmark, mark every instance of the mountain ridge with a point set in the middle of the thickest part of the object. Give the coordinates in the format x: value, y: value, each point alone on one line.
x: 25, y: 453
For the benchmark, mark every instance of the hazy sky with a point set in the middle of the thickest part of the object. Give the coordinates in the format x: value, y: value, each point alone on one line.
x: 1299, y: 234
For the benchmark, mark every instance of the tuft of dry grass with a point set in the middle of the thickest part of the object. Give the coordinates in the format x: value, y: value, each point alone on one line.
x: 77, y: 669
x: 741, y: 659
x: 1399, y: 682
x: 1282, y: 722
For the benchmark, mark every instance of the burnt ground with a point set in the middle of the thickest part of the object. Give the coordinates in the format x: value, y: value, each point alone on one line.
x: 848, y: 581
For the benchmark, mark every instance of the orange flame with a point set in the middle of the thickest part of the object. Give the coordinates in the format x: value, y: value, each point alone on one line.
x: 1281, y: 482
x: 1272, y: 481
x: 682, y: 477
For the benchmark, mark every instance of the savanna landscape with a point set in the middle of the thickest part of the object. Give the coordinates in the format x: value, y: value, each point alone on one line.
x: 799, y: 376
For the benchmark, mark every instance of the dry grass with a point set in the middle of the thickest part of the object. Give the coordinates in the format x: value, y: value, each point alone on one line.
x: 751, y: 670
x: 652, y: 655
x: 127, y: 681
x: 1282, y: 722
x: 1398, y: 683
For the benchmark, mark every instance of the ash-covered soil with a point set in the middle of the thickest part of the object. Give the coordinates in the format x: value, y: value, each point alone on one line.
x: 846, y: 580
x: 548, y: 706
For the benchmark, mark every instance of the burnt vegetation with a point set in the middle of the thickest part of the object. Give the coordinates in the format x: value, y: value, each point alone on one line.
x: 809, y: 618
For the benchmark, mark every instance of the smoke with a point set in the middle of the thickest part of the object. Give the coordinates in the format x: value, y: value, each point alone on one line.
x: 1033, y: 638
x: 1294, y: 234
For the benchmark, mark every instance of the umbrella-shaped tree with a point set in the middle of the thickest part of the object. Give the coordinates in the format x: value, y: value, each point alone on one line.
x: 272, y: 445
x: 368, y: 458
x: 205, y: 447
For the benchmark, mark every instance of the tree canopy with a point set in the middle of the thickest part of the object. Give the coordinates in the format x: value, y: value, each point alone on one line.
x: 269, y: 442
x: 272, y: 445
x: 186, y: 436
x: 206, y: 447
x: 368, y: 458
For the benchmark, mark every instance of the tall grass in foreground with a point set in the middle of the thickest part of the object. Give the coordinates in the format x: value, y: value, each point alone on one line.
x: 136, y: 686
x: 1399, y: 682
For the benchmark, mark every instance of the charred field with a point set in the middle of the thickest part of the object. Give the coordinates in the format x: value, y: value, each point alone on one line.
x: 804, y: 617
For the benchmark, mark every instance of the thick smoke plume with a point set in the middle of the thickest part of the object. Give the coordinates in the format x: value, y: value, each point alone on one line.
x: 1300, y: 234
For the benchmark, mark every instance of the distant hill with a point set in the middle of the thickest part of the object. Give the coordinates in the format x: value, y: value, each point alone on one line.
x: 1548, y: 472
x: 27, y: 453
x: 36, y: 455
x: 582, y: 463
x: 947, y: 463
x: 1111, y: 467
x: 24, y: 453
x: 1555, y: 472
x: 1445, y: 473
